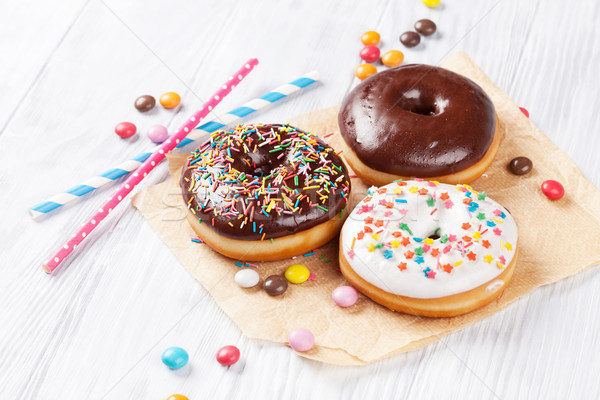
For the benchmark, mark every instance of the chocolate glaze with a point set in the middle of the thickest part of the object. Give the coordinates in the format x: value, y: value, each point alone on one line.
x: 418, y: 121
x: 260, y: 164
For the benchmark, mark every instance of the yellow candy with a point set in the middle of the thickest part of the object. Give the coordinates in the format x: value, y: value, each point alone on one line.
x: 363, y: 71
x: 170, y: 100
x: 370, y: 38
x: 297, y: 273
x: 392, y: 58
x: 431, y: 3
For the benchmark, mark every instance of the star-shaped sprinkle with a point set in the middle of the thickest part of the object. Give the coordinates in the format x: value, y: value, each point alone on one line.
x: 497, y: 212
x: 351, y: 254
x: 408, y: 254
x: 447, y: 249
x: 397, y: 234
x: 382, y: 202
x: 472, y: 256
x: 425, y: 247
x: 405, y: 241
x: 394, y: 243
x: 388, y: 214
x: 488, y: 258
x: 378, y: 223
x: 431, y: 202
x: 367, y: 199
x: 423, y: 191
x: 474, y: 205
x: 485, y: 244
x: 429, y: 273
x: 360, y: 235
x: 502, y: 259
x: 382, y: 190
x: 402, y: 211
x: 368, y: 229
x: 467, y: 238
x: 419, y: 251
x: 444, y: 238
x: 388, y: 254
x: 466, y: 225
x: 419, y: 260
x: 448, y: 204
x: 428, y: 241
x: 468, y: 194
x: 434, y: 252
x: 402, y: 266
x: 371, y: 247
x: 448, y: 268
x: 491, y: 223
x: 476, y: 235
x: 452, y: 238
x: 375, y: 236
x: 413, y: 189
x: 508, y: 246
x: 480, y: 216
x: 379, y: 245
x: 389, y: 204
x: 497, y: 232
x: 369, y: 220
x: 397, y: 190
x: 481, y: 196
x: 444, y: 196
x: 401, y: 183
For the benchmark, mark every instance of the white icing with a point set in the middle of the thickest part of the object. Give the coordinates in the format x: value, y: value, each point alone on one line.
x: 397, y: 206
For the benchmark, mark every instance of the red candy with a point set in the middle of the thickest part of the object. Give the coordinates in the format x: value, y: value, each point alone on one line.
x: 370, y: 53
x: 228, y: 355
x: 125, y: 129
x: 553, y: 190
x: 524, y: 111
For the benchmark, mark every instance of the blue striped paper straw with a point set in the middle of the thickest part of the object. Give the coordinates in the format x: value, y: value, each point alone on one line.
x: 130, y: 165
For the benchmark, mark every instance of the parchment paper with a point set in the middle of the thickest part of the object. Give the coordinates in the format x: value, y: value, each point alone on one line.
x: 557, y: 239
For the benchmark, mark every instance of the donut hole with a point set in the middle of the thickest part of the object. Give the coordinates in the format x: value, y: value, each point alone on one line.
x: 414, y: 101
x: 433, y: 236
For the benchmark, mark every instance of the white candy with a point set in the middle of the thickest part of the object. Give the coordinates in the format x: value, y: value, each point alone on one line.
x: 247, y: 278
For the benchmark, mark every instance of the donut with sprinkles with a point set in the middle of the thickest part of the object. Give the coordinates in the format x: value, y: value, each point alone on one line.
x: 265, y: 192
x: 428, y: 248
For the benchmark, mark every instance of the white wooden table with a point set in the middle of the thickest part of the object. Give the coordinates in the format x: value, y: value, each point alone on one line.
x: 70, y: 70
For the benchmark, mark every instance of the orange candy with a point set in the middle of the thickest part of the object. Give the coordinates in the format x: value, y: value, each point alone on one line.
x: 392, y: 58
x: 363, y: 71
x: 177, y: 397
x: 370, y: 38
x: 170, y: 100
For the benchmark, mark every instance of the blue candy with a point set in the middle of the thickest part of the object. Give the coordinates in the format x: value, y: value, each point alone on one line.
x: 175, y: 357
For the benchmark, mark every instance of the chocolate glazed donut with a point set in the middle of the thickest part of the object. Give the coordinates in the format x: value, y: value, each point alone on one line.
x: 419, y: 121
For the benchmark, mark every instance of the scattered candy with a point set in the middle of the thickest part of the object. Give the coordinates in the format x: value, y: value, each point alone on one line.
x: 144, y: 103
x: 344, y: 296
x: 431, y: 3
x: 158, y: 133
x: 228, y: 355
x: 524, y: 111
x: 301, y: 339
x: 363, y: 71
x: 125, y: 129
x: 175, y: 357
x: 370, y: 53
x: 275, y: 285
x: 170, y: 100
x: 392, y: 58
x: 520, y: 165
x: 297, y: 273
x: 370, y: 38
x: 177, y: 397
x: 553, y: 189
x: 247, y: 278
x: 410, y: 39
x: 425, y: 27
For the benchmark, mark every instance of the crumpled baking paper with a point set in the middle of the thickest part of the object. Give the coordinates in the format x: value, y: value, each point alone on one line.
x: 551, y: 247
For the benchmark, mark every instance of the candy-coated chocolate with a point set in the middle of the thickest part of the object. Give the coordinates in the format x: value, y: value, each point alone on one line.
x: 297, y: 273
x: 363, y: 71
x: 158, y: 133
x: 370, y: 38
x: 392, y: 58
x: 228, y: 355
x: 301, y: 339
x: 175, y: 357
x: 524, y: 111
x: 410, y: 39
x: 553, y: 189
x: 425, y: 27
x: 125, y: 129
x: 370, y: 53
x: 431, y: 3
x: 344, y: 296
x: 170, y: 100
x: 177, y: 397
x: 144, y: 103
x: 520, y: 165
x: 275, y: 285
x: 247, y: 278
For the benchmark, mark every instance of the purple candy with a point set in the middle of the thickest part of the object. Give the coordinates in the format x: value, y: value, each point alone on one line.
x: 344, y: 296
x: 301, y: 339
x: 158, y: 133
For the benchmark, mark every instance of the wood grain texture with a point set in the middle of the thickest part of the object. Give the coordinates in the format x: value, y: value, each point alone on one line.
x: 96, y: 330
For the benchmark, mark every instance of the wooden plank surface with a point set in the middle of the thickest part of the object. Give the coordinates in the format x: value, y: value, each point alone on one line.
x: 70, y: 71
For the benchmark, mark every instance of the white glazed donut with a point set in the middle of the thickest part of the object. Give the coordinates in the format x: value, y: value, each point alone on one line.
x: 428, y: 248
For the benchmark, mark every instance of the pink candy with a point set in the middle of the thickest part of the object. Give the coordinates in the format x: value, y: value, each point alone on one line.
x: 228, y: 355
x: 301, y: 339
x: 344, y: 296
x: 370, y: 53
x: 158, y: 133
x: 553, y: 189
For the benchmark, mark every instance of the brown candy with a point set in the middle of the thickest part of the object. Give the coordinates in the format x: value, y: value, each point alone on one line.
x: 520, y: 165
x: 144, y: 103
x: 425, y: 27
x: 410, y: 39
x: 275, y: 285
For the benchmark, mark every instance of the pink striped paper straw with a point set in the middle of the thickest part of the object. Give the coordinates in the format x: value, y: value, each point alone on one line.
x: 148, y: 165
